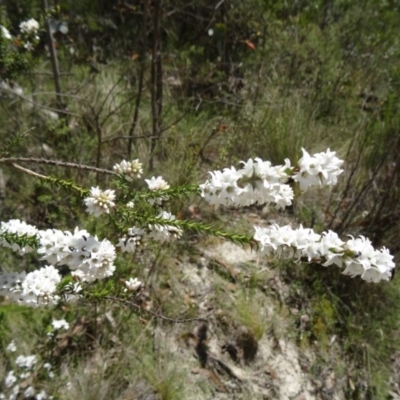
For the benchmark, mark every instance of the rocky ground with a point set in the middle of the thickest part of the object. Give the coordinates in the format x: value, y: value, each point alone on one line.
x: 231, y: 363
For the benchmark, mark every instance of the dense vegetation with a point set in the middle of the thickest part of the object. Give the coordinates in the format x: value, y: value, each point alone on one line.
x: 188, y: 87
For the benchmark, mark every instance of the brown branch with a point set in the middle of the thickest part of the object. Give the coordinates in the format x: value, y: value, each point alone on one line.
x: 53, y: 59
x: 29, y: 172
x: 156, y: 136
x: 156, y: 80
x: 141, y: 77
x: 34, y: 103
x: 154, y: 314
x: 11, y: 160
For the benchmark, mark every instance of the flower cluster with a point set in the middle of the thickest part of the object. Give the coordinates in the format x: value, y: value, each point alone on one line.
x: 319, y: 169
x: 155, y: 185
x: 34, y: 289
x: 29, y: 27
x: 258, y: 182
x: 129, y: 169
x: 99, y: 201
x: 161, y: 232
x: 39, y: 286
x: 165, y: 232
x: 29, y: 33
x: 357, y: 255
x: 18, y: 228
x: 131, y: 240
x: 132, y: 285
x: 59, y: 324
x: 15, y: 382
x: 87, y: 257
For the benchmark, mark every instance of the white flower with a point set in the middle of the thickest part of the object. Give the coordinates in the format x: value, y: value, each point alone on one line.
x: 5, y: 32
x: 47, y: 366
x: 132, y: 284
x: 164, y: 232
x: 353, y: 268
x: 256, y: 183
x: 19, y: 228
x: 93, y: 259
x: 319, y: 169
x: 222, y: 188
x: 129, y: 242
x: 12, y: 347
x: 54, y: 245
x: 10, y: 379
x: 39, y: 286
x: 14, y: 393
x: 29, y: 392
x: 89, y: 258
x: 358, y: 255
x: 59, y: 324
x: 99, y: 201
x: 130, y: 204
x: 30, y: 27
x: 41, y: 396
x: 26, y: 362
x: 129, y: 169
x: 157, y: 183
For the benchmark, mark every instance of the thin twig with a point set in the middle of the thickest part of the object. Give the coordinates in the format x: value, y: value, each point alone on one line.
x: 49, y: 73
x: 156, y: 136
x: 143, y: 57
x: 53, y: 58
x: 11, y: 160
x: 34, y: 103
x: 154, y: 314
x: 29, y: 172
x: 156, y: 80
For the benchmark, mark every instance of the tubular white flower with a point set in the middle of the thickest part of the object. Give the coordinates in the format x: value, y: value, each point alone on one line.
x: 132, y: 240
x: 358, y: 255
x: 93, y: 260
x: 89, y: 258
x: 129, y: 169
x: 19, y: 228
x: 164, y: 232
x: 256, y: 183
x: 157, y: 183
x: 39, y: 287
x: 58, y: 324
x: 29, y: 27
x: 99, y: 201
x: 29, y: 392
x: 10, y: 379
x: 319, y: 169
x: 54, y: 245
x: 132, y: 285
x: 26, y: 362
x: 130, y: 204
